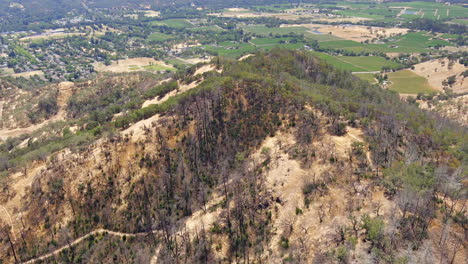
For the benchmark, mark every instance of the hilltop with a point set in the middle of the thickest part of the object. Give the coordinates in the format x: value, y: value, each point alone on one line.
x: 275, y: 158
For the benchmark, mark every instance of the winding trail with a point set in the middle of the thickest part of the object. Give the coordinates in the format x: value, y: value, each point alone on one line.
x: 80, y: 239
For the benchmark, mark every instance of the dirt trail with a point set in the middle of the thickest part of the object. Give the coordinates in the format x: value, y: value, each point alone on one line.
x: 246, y: 56
x: 5, y: 133
x: 198, y: 218
x: 80, y: 239
x: 64, y: 93
x: 182, y: 87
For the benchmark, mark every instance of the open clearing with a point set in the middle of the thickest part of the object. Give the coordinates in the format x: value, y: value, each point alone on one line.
x: 150, y: 13
x: 412, y: 42
x: 436, y: 71
x: 354, y: 32
x: 408, y: 82
x: 135, y: 64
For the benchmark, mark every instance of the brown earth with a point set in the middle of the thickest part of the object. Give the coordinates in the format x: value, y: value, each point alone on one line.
x: 436, y: 71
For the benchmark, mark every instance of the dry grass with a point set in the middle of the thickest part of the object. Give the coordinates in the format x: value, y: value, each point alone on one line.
x: 27, y: 74
x: 354, y: 32
x: 436, y: 71
x: 455, y: 109
x: 129, y: 65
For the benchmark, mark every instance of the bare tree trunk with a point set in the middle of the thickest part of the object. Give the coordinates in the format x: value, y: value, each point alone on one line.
x: 12, y: 246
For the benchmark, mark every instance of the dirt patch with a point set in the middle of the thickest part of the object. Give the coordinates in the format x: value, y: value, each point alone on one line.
x: 206, y: 68
x: 65, y: 90
x: 151, y: 13
x: 436, y: 71
x: 194, y: 60
x: 455, y: 49
x: 245, y: 57
x: 182, y: 87
x: 129, y: 65
x: 137, y: 130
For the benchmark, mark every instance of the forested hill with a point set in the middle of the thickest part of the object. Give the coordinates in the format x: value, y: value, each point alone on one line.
x: 276, y: 157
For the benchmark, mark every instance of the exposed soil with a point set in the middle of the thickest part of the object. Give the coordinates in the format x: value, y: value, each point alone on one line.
x: 128, y: 65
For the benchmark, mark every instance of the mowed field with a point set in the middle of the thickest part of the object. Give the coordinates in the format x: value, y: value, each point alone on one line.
x: 408, y: 82
x: 357, y: 63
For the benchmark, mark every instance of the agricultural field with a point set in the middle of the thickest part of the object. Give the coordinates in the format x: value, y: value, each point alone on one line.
x: 354, y: 32
x: 357, y: 63
x: 398, y: 10
x: 158, y: 37
x: 174, y: 23
x: 413, y: 42
x: 408, y: 82
x: 263, y: 30
x: 366, y: 77
x: 432, y: 10
x: 207, y: 29
x: 269, y: 41
x: 460, y: 21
